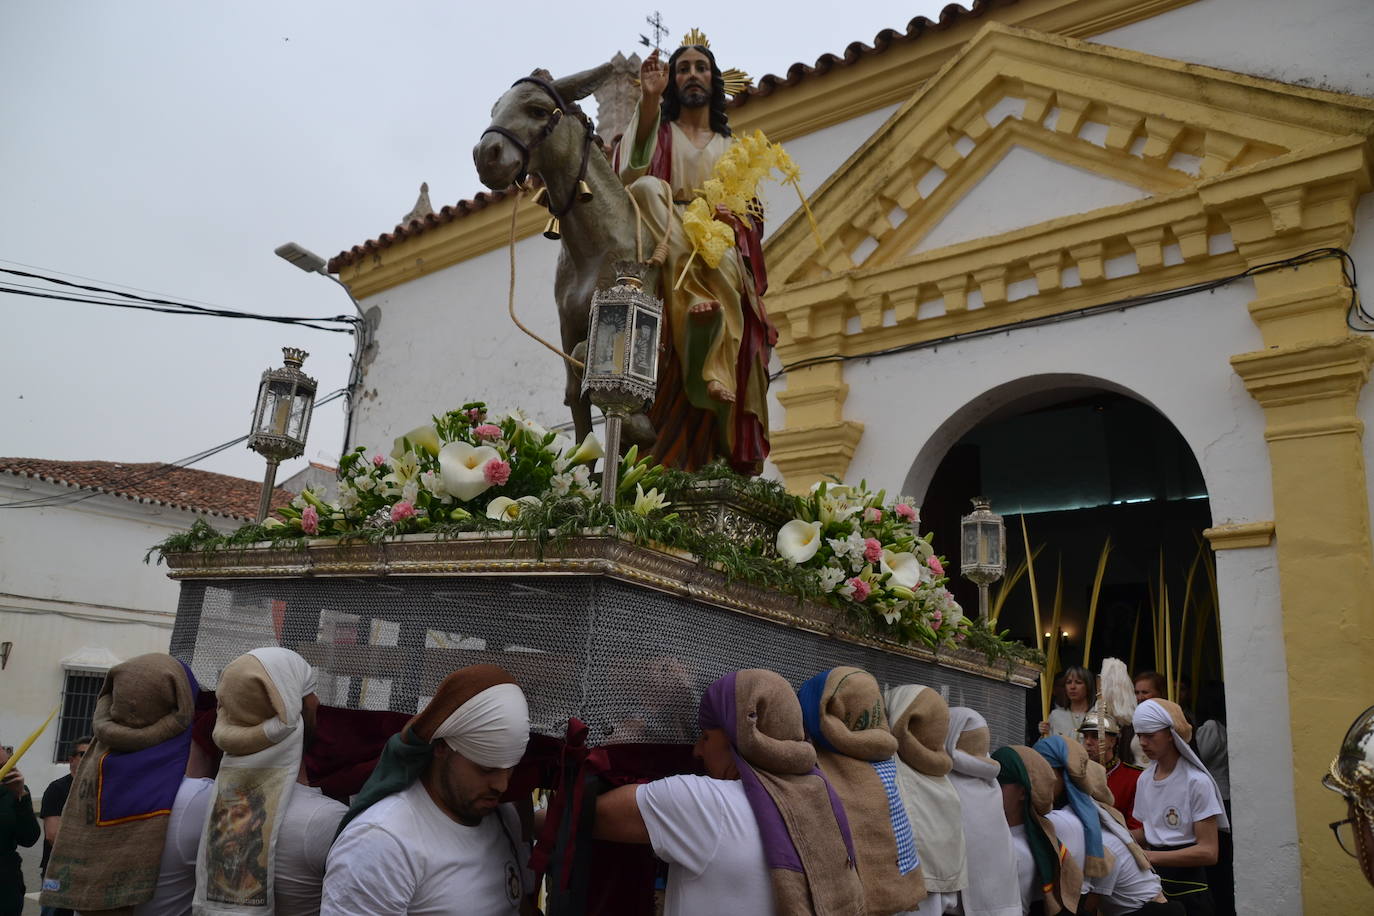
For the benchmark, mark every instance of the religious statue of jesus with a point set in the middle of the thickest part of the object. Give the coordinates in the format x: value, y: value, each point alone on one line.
x: 712, y: 397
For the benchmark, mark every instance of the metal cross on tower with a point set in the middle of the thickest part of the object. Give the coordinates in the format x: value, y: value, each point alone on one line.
x: 658, y: 29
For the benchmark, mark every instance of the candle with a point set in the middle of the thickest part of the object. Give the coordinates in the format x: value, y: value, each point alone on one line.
x: 19, y: 752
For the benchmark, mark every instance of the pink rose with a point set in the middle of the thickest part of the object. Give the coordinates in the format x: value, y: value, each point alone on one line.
x: 496, y: 472
x: 310, y: 520
x: 476, y: 414
x: 873, y: 550
x: 487, y: 431
x: 861, y: 589
x: 961, y: 636
x: 402, y: 511
x: 872, y: 514
x: 378, y: 461
x: 936, y: 619
x: 905, y: 511
x: 935, y: 565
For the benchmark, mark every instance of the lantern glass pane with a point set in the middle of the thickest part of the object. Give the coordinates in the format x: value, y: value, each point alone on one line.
x: 300, y: 404
x: 993, y: 542
x: 609, y: 339
x: 277, y: 419
x: 970, y: 551
x: 644, y: 359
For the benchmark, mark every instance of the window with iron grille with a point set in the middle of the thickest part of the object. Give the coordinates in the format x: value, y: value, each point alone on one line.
x: 79, y: 692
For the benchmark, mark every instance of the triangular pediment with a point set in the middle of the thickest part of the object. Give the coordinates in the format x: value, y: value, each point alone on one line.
x: 1024, y: 128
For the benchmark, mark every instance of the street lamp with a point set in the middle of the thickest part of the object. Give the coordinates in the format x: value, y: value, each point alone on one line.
x: 983, y: 557
x: 622, y: 358
x: 281, y: 420
x: 312, y: 263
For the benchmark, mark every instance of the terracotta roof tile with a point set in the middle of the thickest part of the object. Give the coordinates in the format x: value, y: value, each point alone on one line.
x: 768, y: 85
x: 159, y: 484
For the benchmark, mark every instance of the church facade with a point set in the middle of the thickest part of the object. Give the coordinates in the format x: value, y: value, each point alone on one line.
x: 1162, y: 200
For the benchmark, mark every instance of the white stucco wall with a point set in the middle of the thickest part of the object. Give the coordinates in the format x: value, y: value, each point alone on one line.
x: 73, y: 582
x: 446, y: 338
x: 1319, y: 43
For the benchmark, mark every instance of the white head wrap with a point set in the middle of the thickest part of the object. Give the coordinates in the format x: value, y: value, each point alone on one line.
x: 294, y: 680
x: 491, y: 729
x: 962, y: 719
x: 1150, y: 717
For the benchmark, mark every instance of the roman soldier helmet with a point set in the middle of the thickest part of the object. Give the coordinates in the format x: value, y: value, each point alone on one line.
x: 1352, y: 775
x: 1097, y: 719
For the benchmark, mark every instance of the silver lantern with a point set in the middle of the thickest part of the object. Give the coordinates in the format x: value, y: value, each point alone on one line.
x: 281, y: 420
x: 983, y: 553
x: 621, y: 371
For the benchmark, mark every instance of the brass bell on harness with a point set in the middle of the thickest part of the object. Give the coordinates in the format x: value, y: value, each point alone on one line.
x: 541, y: 196
x: 551, y: 229
x: 584, y: 192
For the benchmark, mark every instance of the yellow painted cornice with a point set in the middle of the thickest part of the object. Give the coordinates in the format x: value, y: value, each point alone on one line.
x: 820, y: 101
x: 1239, y: 536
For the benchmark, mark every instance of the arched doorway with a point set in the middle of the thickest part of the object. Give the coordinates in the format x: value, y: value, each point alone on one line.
x: 1079, y: 461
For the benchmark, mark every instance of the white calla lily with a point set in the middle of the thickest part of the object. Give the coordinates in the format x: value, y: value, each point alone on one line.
x: 799, y: 540
x: 421, y: 437
x: 461, y: 464
x: 505, y: 509
x: 590, y: 450
x: 904, y: 567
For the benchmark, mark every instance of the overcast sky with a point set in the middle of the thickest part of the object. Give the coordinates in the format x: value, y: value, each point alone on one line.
x: 170, y: 147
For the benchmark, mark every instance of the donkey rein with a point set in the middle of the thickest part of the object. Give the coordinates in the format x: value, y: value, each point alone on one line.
x: 510, y: 300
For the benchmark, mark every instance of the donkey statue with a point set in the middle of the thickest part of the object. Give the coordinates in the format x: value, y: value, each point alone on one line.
x: 537, y: 128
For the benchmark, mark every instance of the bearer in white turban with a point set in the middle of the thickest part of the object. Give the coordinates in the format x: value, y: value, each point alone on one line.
x: 428, y: 833
x: 1178, y: 804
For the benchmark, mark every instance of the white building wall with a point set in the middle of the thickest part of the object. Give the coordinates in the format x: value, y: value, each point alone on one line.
x: 73, y: 582
x: 1318, y: 43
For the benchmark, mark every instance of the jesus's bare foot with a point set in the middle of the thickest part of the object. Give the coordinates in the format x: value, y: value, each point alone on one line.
x: 704, y: 312
x: 719, y: 392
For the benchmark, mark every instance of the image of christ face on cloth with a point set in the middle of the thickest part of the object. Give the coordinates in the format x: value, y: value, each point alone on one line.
x: 241, y: 822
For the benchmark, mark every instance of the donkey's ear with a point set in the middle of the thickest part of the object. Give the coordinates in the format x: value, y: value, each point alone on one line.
x: 580, y: 85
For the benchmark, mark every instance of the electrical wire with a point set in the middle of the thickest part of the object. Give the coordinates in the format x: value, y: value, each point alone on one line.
x: 1355, y: 308
x: 158, y: 304
x: 128, y: 482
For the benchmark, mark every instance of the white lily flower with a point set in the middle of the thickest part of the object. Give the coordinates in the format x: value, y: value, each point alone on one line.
x: 588, y: 451
x: 505, y: 509
x: 410, y: 492
x: 525, y: 423
x: 905, y: 568
x: 648, y: 502
x: 799, y: 540
x: 561, y: 484
x: 461, y: 465
x: 830, y: 577
x: 422, y: 437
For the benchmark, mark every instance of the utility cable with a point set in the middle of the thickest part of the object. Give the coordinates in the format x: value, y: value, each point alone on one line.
x: 158, y: 304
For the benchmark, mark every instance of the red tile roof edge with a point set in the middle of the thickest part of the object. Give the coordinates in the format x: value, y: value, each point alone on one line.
x: 798, y: 73
x: 230, y: 497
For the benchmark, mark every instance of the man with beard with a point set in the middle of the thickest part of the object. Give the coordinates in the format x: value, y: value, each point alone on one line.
x: 428, y: 833
x: 713, y: 397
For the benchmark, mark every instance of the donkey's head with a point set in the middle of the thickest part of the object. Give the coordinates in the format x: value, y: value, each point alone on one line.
x: 529, y: 130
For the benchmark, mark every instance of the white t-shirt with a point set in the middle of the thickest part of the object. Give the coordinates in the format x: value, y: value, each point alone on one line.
x: 1069, y: 829
x: 1126, y: 888
x: 302, y: 848
x: 1169, y: 807
x: 405, y: 855
x: 705, y: 830
x: 1025, y: 867
x: 176, y: 876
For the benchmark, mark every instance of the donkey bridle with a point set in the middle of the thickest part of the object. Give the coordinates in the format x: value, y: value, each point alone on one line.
x: 555, y: 117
